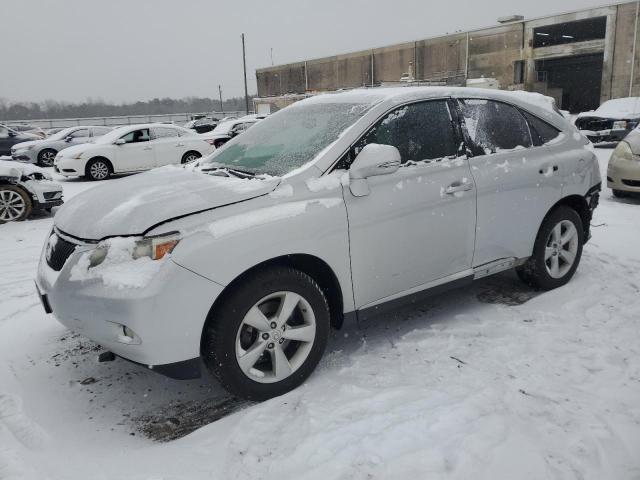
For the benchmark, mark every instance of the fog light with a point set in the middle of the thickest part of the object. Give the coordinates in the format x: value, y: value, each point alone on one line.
x: 128, y: 336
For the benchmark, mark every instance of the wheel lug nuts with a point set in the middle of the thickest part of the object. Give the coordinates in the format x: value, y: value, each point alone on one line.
x: 265, y: 336
x: 274, y: 324
x: 270, y: 346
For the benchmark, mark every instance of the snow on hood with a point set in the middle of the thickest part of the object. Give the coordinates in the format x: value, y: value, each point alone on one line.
x: 618, y: 108
x: 21, y: 145
x: 7, y: 166
x: 132, y: 205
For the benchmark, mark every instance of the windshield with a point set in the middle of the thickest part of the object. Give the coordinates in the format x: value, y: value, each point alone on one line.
x: 288, y: 139
x: 61, y: 134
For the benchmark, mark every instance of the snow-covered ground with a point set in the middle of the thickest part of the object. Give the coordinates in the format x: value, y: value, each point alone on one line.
x: 491, y: 382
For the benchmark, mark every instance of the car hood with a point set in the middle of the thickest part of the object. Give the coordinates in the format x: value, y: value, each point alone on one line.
x: 135, y: 204
x: 21, y: 145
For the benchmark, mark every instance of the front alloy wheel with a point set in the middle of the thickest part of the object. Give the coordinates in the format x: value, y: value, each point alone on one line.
x: 46, y: 157
x: 14, y: 204
x: 267, y: 334
x: 98, y: 170
x: 275, y: 337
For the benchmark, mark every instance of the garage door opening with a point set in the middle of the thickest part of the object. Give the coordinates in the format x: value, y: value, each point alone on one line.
x: 574, y: 82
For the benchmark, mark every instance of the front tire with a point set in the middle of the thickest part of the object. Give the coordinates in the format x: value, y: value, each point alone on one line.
x: 46, y: 157
x: 268, y: 335
x: 98, y: 169
x: 15, y: 204
x: 619, y: 193
x: 190, y: 157
x: 557, y: 251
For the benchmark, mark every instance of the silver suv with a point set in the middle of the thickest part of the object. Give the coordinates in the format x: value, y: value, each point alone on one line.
x: 337, y: 207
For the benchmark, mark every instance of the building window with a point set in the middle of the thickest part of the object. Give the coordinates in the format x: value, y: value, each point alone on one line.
x: 570, y: 32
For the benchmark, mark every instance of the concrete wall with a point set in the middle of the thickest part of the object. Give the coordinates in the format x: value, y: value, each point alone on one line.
x: 624, y: 53
x: 491, y: 52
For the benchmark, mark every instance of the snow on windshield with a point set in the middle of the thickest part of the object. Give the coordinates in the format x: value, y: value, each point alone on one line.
x: 290, y: 138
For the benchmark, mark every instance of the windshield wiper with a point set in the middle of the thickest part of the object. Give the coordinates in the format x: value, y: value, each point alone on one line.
x: 233, y: 171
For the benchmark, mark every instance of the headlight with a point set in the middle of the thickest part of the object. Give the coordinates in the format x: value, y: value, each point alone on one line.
x: 152, y: 247
x: 622, y: 152
x: 620, y: 125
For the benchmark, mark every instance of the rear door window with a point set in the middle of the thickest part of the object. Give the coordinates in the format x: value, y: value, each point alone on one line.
x: 164, y: 132
x: 495, y: 126
x: 421, y: 132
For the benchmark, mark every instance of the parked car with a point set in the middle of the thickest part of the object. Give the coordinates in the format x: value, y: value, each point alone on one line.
x: 339, y: 206
x: 24, y: 189
x: 201, y: 125
x: 9, y: 137
x: 132, y: 148
x: 229, y: 129
x: 43, y: 152
x: 32, y: 129
x: 612, y: 121
x: 623, y: 172
x: 53, y: 131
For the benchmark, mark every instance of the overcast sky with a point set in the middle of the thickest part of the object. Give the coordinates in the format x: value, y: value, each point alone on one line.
x: 127, y: 50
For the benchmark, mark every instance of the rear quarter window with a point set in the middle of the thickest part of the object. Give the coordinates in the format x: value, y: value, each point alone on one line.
x: 541, y: 131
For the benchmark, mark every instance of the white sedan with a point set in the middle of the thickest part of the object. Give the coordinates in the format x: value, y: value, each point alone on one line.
x: 132, y: 148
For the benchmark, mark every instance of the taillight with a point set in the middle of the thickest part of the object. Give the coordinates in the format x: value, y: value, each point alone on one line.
x: 210, y: 141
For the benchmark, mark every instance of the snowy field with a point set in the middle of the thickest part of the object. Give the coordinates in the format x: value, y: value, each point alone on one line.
x: 491, y: 382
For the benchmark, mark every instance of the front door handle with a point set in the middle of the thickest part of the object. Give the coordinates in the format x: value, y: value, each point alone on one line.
x: 179, y: 144
x: 458, y: 187
x: 147, y: 148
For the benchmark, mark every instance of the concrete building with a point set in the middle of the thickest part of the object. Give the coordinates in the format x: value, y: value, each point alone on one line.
x: 580, y: 58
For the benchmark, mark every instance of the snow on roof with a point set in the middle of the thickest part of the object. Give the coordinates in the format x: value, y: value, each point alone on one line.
x: 400, y: 94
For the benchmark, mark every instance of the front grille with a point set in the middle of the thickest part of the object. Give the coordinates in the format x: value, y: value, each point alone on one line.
x: 631, y: 183
x: 58, y: 251
x: 594, y: 124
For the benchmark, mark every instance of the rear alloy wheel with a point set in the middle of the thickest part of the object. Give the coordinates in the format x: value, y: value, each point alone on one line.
x: 98, y: 169
x: 190, y: 157
x: 46, y: 157
x: 268, y: 335
x: 15, y: 204
x: 557, y: 251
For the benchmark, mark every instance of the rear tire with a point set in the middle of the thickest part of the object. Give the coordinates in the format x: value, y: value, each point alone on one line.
x: 15, y: 204
x: 46, y: 157
x: 244, y: 344
x: 190, y: 157
x: 557, y: 251
x: 97, y: 169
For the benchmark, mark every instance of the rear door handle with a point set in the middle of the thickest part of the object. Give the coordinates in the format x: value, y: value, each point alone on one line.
x: 148, y: 148
x: 458, y: 187
x: 549, y: 170
x: 179, y: 144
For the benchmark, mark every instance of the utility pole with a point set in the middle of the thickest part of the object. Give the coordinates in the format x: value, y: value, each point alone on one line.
x: 221, y: 107
x: 244, y: 64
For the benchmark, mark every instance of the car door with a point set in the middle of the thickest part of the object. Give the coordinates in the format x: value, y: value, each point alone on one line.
x: 168, y: 146
x: 416, y: 227
x: 517, y: 181
x: 136, y: 153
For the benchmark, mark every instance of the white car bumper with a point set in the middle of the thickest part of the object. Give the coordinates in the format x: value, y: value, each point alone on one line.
x: 167, y: 315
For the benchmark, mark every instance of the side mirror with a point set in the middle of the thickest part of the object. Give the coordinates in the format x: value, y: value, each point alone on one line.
x: 373, y: 160
x: 68, y: 139
x: 12, y: 133
x: 119, y: 141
